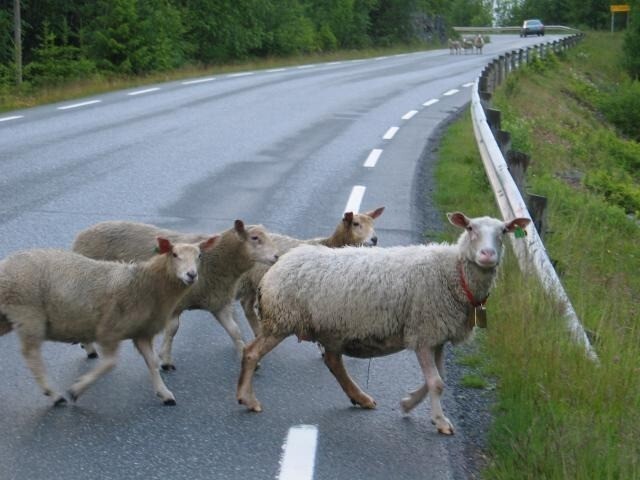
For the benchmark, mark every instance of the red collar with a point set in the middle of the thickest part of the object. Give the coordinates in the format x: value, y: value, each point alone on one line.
x: 467, y: 292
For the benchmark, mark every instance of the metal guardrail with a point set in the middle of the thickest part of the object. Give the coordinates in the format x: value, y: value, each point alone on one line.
x: 547, y: 29
x: 530, y: 251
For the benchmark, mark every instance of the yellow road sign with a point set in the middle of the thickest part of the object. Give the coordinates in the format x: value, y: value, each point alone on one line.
x: 620, y: 8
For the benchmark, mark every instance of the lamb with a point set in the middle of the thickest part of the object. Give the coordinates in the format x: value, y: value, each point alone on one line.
x: 57, y: 295
x: 353, y: 229
x: 478, y: 43
x: 371, y: 302
x: 237, y: 250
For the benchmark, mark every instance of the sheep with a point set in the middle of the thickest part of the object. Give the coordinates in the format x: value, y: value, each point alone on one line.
x: 478, y: 43
x: 238, y: 249
x: 48, y: 294
x: 376, y: 301
x: 454, y: 46
x: 352, y: 229
x: 468, y: 44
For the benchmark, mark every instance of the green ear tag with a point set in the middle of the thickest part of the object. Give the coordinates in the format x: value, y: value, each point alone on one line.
x: 156, y: 250
x: 520, y: 233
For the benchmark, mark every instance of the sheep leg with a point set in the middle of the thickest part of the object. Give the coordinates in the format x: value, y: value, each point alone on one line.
x: 145, y: 347
x: 30, y: 326
x: 414, y: 398
x: 250, y: 358
x: 427, y: 360
x: 107, y: 364
x: 167, y: 343
x: 225, y: 317
x: 333, y: 361
x: 248, y: 303
x: 418, y: 395
x: 33, y: 356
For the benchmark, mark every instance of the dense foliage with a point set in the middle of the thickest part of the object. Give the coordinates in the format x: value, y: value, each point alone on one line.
x: 67, y: 39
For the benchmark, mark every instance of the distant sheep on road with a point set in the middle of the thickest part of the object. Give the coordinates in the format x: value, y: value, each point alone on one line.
x: 368, y: 302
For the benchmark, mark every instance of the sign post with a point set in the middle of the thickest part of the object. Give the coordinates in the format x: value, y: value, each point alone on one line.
x: 619, y: 9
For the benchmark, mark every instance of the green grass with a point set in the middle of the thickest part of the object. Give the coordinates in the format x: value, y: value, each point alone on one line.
x: 559, y: 415
x: 15, y: 98
x: 473, y: 381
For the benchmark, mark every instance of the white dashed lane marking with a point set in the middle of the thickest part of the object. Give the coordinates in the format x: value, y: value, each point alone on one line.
x: 200, y: 80
x: 355, y: 199
x: 467, y: 85
x: 299, y: 453
x: 142, y: 92
x: 13, y: 117
x: 453, y: 91
x: 390, y: 133
x: 81, y: 104
x: 428, y: 103
x: 372, y: 159
x: 409, y: 114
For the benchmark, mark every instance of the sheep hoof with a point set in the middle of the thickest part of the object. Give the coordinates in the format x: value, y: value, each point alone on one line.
x: 60, y: 401
x: 170, y: 401
x: 92, y: 355
x: 72, y: 395
x: 168, y: 367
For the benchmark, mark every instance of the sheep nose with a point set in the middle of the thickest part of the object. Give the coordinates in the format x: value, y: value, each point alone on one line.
x: 374, y: 241
x: 488, y: 252
x: 192, y: 276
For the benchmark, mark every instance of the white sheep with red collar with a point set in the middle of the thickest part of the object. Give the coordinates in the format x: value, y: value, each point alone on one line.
x: 377, y: 301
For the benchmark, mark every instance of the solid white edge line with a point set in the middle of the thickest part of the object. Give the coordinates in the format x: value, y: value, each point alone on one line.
x: 428, y: 103
x: 453, y: 91
x: 355, y: 199
x: 372, y: 159
x: 141, y: 92
x: 200, y: 80
x: 409, y: 114
x: 306, y: 66
x: 241, y: 74
x: 274, y: 70
x: 14, y: 117
x: 390, y: 133
x: 81, y: 104
x: 299, y: 453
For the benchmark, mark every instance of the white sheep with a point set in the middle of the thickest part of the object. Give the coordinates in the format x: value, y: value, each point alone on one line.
x: 66, y: 297
x: 367, y: 302
x: 237, y: 250
x: 353, y: 229
x: 478, y: 43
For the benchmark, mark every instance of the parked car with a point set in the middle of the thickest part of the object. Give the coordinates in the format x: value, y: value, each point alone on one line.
x: 532, y: 27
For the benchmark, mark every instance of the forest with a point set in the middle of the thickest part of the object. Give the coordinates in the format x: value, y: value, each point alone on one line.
x: 63, y: 40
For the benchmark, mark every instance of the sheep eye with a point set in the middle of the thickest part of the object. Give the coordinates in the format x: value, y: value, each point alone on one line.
x: 255, y: 238
x: 469, y: 228
x: 175, y: 255
x: 199, y: 255
x: 356, y: 224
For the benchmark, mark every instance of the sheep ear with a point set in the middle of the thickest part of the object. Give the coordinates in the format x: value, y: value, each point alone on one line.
x: 458, y: 219
x: 209, y: 243
x: 348, y: 217
x: 238, y: 226
x: 375, y: 213
x: 164, y: 246
x: 516, y: 223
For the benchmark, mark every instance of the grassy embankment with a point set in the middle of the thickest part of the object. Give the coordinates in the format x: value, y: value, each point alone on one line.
x: 558, y: 415
x: 28, y: 97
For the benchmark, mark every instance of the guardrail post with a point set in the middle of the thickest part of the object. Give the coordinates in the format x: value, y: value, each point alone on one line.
x: 520, y: 57
x: 537, y: 206
x: 493, y: 119
x: 518, y: 163
x: 503, y: 139
x: 507, y: 64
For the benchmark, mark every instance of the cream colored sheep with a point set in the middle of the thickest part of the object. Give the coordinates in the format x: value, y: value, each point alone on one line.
x: 353, y: 229
x: 66, y: 297
x: 237, y: 250
x: 367, y: 302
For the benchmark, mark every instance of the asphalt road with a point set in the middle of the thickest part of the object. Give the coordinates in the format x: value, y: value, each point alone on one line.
x: 281, y: 147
